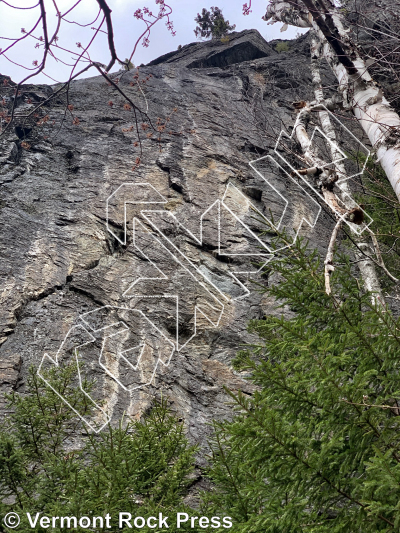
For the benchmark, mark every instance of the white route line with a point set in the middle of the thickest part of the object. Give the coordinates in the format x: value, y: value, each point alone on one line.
x: 303, y: 219
x: 147, y: 194
x: 48, y: 359
x: 341, y: 216
x: 82, y: 318
x: 162, y: 200
x: 197, y: 308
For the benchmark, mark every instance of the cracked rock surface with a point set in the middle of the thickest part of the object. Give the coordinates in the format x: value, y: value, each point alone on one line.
x: 61, y: 263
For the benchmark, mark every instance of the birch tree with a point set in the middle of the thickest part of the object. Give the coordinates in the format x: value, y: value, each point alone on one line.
x: 359, y: 92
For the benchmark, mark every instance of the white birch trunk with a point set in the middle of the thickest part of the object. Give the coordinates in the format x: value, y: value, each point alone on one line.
x: 364, y: 253
x: 374, y: 113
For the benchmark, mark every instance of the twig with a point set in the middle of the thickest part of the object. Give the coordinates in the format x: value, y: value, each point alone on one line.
x: 394, y: 407
x: 329, y: 268
x: 379, y: 256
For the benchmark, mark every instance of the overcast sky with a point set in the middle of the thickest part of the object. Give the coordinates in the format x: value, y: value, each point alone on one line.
x: 126, y: 28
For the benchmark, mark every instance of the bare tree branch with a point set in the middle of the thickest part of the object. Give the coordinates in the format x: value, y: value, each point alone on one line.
x: 110, y: 33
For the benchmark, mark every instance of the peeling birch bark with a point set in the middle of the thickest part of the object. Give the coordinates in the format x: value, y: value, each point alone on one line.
x: 370, y: 279
x: 363, y: 255
x: 293, y: 12
x: 361, y: 94
x: 375, y: 115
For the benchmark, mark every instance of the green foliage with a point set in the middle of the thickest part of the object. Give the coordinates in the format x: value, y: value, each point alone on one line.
x: 317, y: 448
x: 212, y: 24
x: 282, y: 47
x: 142, y: 468
x: 127, y: 65
x: 382, y: 205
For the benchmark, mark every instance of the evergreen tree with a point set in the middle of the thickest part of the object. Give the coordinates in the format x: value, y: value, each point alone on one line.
x: 382, y: 205
x: 212, y: 24
x: 127, y: 65
x: 142, y: 468
x: 317, y: 448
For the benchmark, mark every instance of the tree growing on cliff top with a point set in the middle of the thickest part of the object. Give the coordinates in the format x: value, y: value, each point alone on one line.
x: 212, y: 24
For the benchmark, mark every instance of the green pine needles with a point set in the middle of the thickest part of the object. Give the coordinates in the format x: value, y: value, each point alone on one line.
x: 212, y: 24
x: 382, y: 204
x: 317, y: 448
x: 141, y: 468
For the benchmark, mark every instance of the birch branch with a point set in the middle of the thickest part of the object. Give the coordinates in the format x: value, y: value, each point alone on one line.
x: 329, y: 268
x: 361, y: 94
x: 365, y: 261
x: 379, y: 256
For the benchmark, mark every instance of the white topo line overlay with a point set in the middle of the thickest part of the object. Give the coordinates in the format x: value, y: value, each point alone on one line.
x: 148, y: 196
x: 341, y: 216
x: 89, y: 331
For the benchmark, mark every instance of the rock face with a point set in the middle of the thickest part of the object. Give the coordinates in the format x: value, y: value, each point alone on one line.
x: 145, y: 275
x: 241, y: 47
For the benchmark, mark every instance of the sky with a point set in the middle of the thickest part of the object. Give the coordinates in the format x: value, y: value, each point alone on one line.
x: 126, y: 28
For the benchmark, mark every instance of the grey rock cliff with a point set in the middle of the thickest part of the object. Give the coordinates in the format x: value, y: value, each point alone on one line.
x: 64, y: 271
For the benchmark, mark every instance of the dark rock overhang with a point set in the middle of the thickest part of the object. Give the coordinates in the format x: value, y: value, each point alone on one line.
x: 237, y: 47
